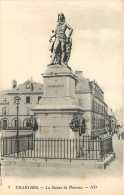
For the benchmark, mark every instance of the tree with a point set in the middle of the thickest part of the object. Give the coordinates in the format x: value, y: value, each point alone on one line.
x: 75, y: 123
x: 78, y: 124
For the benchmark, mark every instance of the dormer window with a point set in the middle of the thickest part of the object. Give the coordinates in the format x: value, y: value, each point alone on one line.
x: 28, y: 86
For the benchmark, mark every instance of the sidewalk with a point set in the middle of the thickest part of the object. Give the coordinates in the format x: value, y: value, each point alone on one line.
x: 116, y: 166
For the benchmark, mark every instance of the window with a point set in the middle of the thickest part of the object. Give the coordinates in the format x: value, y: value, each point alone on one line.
x: 39, y: 97
x: 4, y: 124
x: 28, y: 111
x: 98, y: 123
x: 28, y: 123
x: 15, y: 123
x: 27, y: 99
x: 96, y: 106
x: 102, y: 109
x: 4, y: 110
x: 80, y: 101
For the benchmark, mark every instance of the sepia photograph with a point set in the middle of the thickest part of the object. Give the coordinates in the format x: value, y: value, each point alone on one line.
x: 61, y: 97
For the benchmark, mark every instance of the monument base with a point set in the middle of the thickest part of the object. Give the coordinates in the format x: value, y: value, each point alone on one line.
x: 53, y: 121
x: 58, y: 105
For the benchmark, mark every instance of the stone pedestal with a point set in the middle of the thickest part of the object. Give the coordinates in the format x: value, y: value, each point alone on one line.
x: 58, y: 103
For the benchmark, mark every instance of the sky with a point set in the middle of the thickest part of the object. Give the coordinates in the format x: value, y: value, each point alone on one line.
x: 25, y: 29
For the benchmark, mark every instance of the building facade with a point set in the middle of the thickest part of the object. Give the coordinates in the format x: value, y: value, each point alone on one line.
x: 119, y: 116
x: 91, y: 98
x: 30, y: 94
x: 112, y: 123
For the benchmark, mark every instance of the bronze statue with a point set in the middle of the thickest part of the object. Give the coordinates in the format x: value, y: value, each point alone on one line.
x: 61, y: 46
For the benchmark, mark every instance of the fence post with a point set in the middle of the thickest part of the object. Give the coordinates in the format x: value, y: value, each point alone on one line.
x: 73, y: 148
x: 111, y: 144
x: 86, y: 147
x: 70, y: 150
x: 76, y: 148
x: 46, y: 149
x: 51, y: 148
x: 3, y: 147
x: 101, y: 148
x: 34, y: 146
x: 37, y: 148
x: 67, y: 148
x: 61, y: 148
x: 1, y: 142
x: 79, y: 149
x: 11, y: 147
x: 6, y: 147
x: 64, y: 148
x: 43, y: 147
x: 33, y: 140
x: 28, y: 146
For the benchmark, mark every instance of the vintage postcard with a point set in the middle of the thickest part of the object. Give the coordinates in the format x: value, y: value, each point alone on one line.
x: 61, y: 96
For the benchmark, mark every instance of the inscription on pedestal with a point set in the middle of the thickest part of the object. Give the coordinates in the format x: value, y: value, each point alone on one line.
x: 55, y: 86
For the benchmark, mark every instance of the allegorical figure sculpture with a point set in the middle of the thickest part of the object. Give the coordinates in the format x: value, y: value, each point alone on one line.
x: 62, y: 44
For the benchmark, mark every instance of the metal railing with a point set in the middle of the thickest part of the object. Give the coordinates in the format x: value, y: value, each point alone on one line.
x: 9, y: 144
x: 106, y: 145
x: 86, y: 148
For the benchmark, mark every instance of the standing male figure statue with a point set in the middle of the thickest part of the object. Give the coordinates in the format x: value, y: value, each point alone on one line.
x: 62, y: 42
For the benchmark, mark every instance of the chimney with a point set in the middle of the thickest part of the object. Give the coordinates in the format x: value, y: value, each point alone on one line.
x: 14, y: 84
x: 79, y: 74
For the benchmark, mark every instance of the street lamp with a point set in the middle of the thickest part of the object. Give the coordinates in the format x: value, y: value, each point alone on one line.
x: 17, y: 100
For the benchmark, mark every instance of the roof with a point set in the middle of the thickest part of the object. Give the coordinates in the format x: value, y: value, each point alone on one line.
x: 83, y: 85
x: 30, y: 81
x: 30, y: 86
